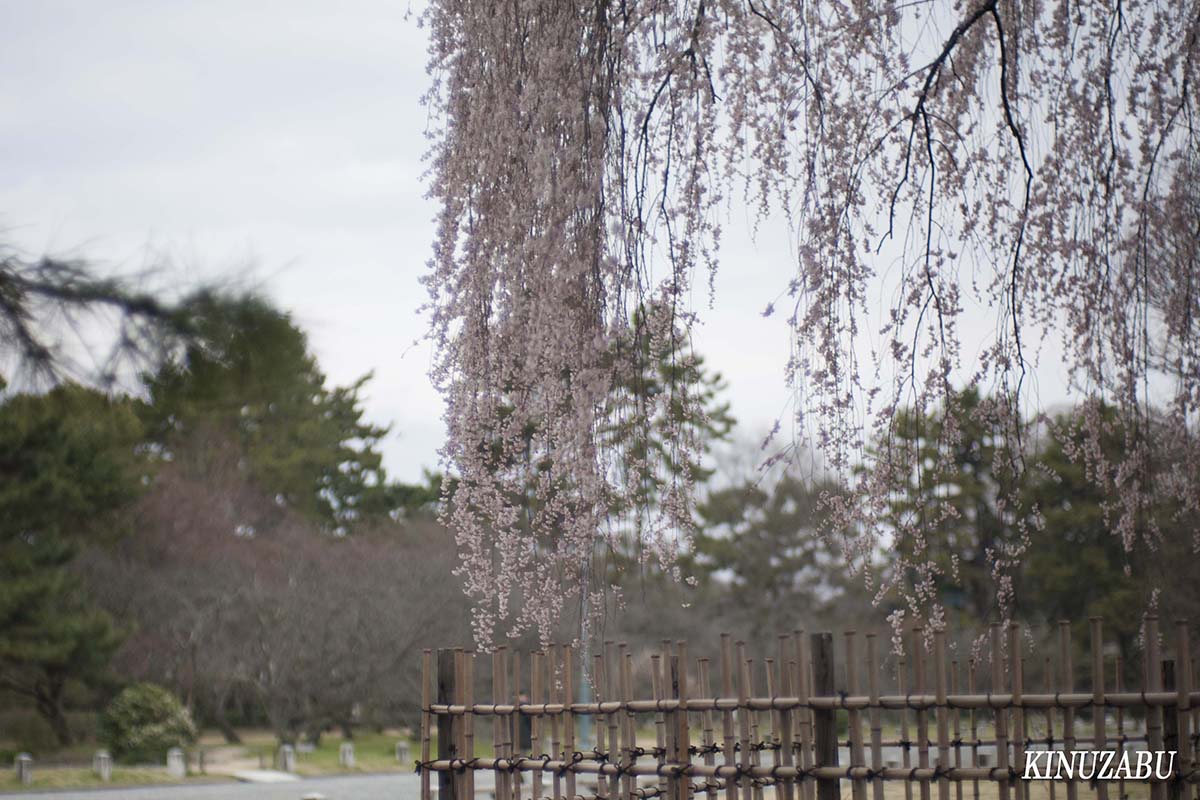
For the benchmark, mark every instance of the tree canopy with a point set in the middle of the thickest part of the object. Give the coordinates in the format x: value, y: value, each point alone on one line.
x: 247, y: 380
x: 1032, y: 164
x: 68, y: 462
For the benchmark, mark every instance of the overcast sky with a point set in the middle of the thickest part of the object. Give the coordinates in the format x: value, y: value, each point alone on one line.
x: 286, y: 137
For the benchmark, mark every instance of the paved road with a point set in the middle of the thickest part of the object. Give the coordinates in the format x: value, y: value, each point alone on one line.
x: 364, y: 787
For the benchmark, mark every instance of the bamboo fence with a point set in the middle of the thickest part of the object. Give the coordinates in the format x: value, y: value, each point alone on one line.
x: 742, y: 743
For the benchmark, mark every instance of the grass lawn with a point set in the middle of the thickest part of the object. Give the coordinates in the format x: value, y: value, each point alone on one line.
x: 373, y: 752
x: 83, y: 777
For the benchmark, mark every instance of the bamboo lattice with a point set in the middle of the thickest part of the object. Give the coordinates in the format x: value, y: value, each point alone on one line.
x: 816, y: 728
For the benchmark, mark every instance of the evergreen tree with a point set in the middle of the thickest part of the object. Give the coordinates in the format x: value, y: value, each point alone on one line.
x: 947, y: 514
x: 1080, y: 569
x: 248, y: 384
x: 764, y: 554
x: 665, y: 366
x: 68, y: 460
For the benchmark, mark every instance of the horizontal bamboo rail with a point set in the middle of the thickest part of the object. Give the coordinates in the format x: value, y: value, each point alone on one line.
x: 912, y: 702
x: 718, y: 771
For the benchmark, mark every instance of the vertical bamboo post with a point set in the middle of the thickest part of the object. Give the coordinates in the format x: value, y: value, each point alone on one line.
x: 426, y: 717
x: 460, y: 738
x: 1068, y: 686
x: 600, y: 695
x: 1018, y: 710
x: 669, y: 724
x: 612, y: 681
x: 743, y: 715
x: 1120, y: 687
x: 772, y: 692
x: 517, y: 747
x: 678, y: 783
x: 447, y: 734
x: 1194, y: 739
x: 499, y: 723
x: 1153, y: 683
x: 1171, y: 728
x: 786, y: 749
x: 685, y: 731
x: 536, y: 697
x: 469, y: 720
x: 728, y: 734
x: 706, y: 723
x: 943, y: 728
x: 1099, y: 742
x: 876, y: 717
x: 858, y: 786
x: 824, y: 720
x: 754, y: 757
x: 628, y: 734
x: 974, y: 723
x: 804, y: 717
x: 956, y: 728
x: 555, y: 687
x: 1000, y: 718
x: 918, y: 657
x: 1049, y: 685
x: 905, y: 742
x: 569, y: 717
x: 1184, y: 687
x: 660, y: 720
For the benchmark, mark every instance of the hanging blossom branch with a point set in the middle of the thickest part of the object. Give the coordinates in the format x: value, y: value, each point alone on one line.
x: 1033, y: 159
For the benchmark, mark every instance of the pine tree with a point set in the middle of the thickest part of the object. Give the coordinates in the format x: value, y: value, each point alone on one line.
x: 249, y: 383
x: 68, y: 460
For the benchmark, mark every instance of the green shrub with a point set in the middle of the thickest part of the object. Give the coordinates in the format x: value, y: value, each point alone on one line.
x: 143, y: 722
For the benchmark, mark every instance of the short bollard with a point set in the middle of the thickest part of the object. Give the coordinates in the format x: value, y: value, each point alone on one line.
x: 176, y: 764
x: 102, y: 765
x: 346, y: 755
x: 24, y: 767
x: 403, y: 752
x: 287, y: 758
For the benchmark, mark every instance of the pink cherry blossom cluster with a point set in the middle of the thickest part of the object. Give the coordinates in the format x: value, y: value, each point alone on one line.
x: 1035, y: 163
